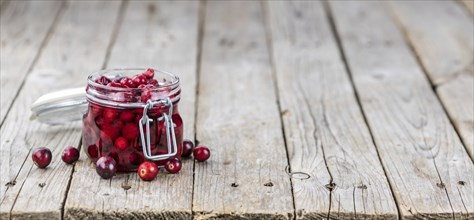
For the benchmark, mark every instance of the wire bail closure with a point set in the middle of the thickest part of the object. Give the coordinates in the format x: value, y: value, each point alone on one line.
x: 169, y: 127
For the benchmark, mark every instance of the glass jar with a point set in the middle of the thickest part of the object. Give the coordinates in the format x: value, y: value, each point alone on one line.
x: 132, y: 125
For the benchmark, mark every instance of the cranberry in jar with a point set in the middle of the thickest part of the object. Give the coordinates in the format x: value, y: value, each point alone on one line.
x: 132, y: 116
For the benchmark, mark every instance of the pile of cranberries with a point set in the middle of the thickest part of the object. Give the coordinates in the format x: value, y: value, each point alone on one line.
x: 106, y: 166
x: 111, y: 134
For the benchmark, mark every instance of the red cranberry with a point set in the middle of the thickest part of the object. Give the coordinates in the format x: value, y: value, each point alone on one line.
x: 93, y: 151
x: 149, y: 73
x: 201, y: 153
x: 110, y: 115
x: 128, y: 82
x: 106, y: 167
x: 130, y: 131
x: 135, y: 159
x: 109, y: 132
x: 139, y: 80
x: 153, y: 82
x: 70, y: 155
x: 147, y: 171
x: 127, y: 116
x: 103, y: 80
x: 146, y: 95
x: 99, y: 121
x: 121, y: 143
x: 188, y: 148
x: 41, y: 157
x: 173, y: 165
x: 117, y: 85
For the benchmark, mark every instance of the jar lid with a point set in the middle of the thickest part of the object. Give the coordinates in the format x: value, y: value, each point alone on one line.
x: 60, y: 107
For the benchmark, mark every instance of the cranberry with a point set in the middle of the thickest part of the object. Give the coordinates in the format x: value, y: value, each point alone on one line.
x: 109, y: 132
x: 147, y: 171
x: 153, y: 82
x: 99, y: 121
x: 201, y: 153
x: 110, y: 115
x: 146, y: 95
x: 173, y: 165
x: 128, y: 82
x: 70, y: 155
x: 117, y: 85
x: 121, y: 143
x: 188, y: 147
x: 41, y: 157
x: 130, y: 131
x: 103, y: 80
x: 149, y: 73
x: 135, y: 159
x: 106, y: 167
x: 93, y: 151
x: 139, y: 80
x: 127, y: 116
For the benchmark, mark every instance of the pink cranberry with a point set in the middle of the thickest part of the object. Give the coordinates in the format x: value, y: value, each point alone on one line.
x: 41, y: 157
x: 188, y: 148
x: 130, y: 131
x: 110, y: 115
x: 70, y: 155
x: 106, y: 167
x: 201, y: 153
x: 127, y: 116
x: 173, y: 165
x: 121, y: 143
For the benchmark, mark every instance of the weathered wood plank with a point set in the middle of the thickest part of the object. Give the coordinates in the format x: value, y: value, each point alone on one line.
x: 323, y: 122
x: 22, y: 36
x: 238, y: 118
x: 469, y: 4
x: 430, y: 171
x: 77, y: 46
x: 447, y: 54
x: 154, y: 34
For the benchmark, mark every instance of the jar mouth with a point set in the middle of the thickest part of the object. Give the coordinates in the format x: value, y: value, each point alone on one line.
x: 168, y: 87
x: 166, y: 80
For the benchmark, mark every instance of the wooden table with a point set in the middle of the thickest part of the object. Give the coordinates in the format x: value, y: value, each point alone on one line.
x: 312, y: 110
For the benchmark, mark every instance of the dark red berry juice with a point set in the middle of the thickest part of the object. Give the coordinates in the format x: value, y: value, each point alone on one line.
x: 116, y: 100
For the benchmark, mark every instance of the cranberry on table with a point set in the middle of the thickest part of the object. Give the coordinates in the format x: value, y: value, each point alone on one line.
x: 70, y: 155
x: 201, y: 153
x: 188, y: 147
x: 173, y: 165
x: 106, y: 167
x: 41, y: 157
x: 147, y: 171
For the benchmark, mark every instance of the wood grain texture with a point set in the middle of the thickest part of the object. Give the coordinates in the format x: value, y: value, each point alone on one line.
x: 77, y: 47
x: 447, y: 54
x: 22, y: 35
x: 469, y: 4
x: 238, y: 119
x: 430, y: 171
x: 165, y: 36
x: 323, y: 121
